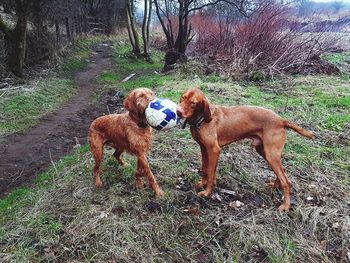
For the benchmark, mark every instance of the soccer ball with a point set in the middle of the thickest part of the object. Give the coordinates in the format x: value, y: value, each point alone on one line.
x: 161, y: 114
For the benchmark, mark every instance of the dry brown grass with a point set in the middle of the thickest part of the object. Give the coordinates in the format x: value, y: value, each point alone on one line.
x: 65, y: 219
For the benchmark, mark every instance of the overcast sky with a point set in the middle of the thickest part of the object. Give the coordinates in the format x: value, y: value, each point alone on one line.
x: 345, y: 1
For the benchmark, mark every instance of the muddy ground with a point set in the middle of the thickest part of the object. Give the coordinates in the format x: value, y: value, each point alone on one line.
x: 24, y: 156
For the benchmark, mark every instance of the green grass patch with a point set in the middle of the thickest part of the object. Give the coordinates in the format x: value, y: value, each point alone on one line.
x: 109, y: 76
x: 334, y: 102
x: 75, y: 56
x: 14, y: 201
x: 337, y: 122
x: 127, y: 63
x: 22, y: 109
x: 146, y: 71
x: 337, y: 58
x: 147, y: 81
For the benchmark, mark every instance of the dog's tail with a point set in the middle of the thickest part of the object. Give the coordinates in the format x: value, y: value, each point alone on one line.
x: 298, y: 129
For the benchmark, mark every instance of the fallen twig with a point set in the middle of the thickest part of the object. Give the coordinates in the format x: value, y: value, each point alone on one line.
x: 128, y: 77
x: 13, y: 88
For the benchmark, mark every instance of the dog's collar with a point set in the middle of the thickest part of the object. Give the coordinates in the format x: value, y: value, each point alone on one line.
x: 196, y: 124
x: 199, y: 121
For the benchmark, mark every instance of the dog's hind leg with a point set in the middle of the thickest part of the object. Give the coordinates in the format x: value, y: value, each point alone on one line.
x: 96, y: 145
x: 273, y: 142
x: 261, y: 151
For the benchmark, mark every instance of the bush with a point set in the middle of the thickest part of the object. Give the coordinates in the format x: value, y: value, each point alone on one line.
x: 265, y: 42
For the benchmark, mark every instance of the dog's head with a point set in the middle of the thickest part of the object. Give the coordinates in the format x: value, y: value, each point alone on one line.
x: 193, y: 105
x: 137, y: 102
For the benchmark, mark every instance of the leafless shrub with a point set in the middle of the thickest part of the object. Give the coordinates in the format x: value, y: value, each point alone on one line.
x: 264, y: 43
x: 158, y: 42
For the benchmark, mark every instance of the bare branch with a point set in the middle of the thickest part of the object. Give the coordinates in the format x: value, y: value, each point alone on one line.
x: 165, y: 29
x: 239, y: 6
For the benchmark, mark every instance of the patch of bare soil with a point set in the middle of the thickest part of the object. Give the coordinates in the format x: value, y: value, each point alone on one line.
x: 24, y: 156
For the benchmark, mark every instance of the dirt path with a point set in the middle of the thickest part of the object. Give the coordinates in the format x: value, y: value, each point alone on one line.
x: 23, y: 156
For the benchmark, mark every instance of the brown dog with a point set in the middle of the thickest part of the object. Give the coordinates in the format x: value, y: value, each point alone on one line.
x: 126, y: 132
x: 216, y: 126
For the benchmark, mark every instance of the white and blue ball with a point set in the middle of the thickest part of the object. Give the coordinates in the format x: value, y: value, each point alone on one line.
x: 161, y: 114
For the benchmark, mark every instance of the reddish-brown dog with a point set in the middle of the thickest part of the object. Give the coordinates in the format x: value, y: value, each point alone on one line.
x: 215, y: 126
x: 126, y: 132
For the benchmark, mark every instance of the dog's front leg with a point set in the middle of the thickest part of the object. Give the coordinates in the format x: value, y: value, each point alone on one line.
x: 213, y: 157
x: 138, y: 175
x: 204, y: 180
x: 148, y: 173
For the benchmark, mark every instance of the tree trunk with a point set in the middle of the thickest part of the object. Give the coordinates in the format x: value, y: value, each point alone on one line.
x: 133, y: 36
x: 183, y: 32
x: 130, y: 34
x: 57, y: 29
x: 144, y: 22
x: 166, y: 29
x: 145, y: 27
x: 67, y: 28
x: 149, y: 20
x: 15, y: 41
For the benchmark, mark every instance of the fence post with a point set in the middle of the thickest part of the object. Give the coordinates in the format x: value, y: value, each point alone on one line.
x: 85, y: 24
x: 72, y: 27
x: 57, y: 27
x: 78, y: 22
x: 67, y: 28
x: 82, y: 24
x: 75, y: 24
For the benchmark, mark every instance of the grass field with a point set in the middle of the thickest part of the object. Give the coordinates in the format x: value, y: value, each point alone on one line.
x: 65, y: 219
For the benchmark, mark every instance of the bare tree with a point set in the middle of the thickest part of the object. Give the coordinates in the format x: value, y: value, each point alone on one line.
x: 177, y: 42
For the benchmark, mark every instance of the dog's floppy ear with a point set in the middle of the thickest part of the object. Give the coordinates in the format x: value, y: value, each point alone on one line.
x: 206, y: 110
x: 128, y: 102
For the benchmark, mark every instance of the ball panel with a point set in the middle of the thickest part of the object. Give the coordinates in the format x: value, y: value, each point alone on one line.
x: 161, y: 114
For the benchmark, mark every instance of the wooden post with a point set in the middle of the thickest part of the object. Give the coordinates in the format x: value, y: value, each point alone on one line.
x: 79, y: 24
x: 72, y: 27
x: 57, y: 27
x: 67, y: 28
x: 82, y: 24
x: 76, y: 25
x: 86, y: 25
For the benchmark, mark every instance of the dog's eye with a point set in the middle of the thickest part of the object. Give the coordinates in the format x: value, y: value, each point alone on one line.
x: 193, y: 103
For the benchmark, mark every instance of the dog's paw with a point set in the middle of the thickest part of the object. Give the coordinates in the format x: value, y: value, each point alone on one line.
x: 139, y: 184
x: 123, y: 163
x: 205, y: 193
x: 98, y: 184
x: 283, y: 208
x: 273, y: 184
x: 160, y: 194
x: 200, y: 184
